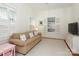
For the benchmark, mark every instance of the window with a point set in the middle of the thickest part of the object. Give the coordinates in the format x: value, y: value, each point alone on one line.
x: 3, y: 13
x: 7, y: 17
x: 51, y: 23
x: 12, y: 16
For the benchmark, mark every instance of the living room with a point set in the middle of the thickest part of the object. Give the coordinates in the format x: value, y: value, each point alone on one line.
x: 39, y: 29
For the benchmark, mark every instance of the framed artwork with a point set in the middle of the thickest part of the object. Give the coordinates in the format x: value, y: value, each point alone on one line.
x: 41, y: 23
x: 50, y: 24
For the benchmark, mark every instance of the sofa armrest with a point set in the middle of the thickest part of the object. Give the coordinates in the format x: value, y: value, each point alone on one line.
x: 17, y: 42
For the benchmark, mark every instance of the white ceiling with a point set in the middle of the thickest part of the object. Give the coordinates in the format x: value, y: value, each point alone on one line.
x: 46, y: 6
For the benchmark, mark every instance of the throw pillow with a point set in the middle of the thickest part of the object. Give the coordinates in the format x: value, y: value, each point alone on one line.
x: 35, y: 33
x: 23, y: 37
x: 31, y: 34
x: 27, y: 36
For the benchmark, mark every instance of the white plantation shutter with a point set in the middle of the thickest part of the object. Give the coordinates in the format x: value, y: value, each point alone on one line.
x: 6, y: 16
x: 3, y: 13
x: 0, y: 12
x: 4, y: 23
x: 12, y: 16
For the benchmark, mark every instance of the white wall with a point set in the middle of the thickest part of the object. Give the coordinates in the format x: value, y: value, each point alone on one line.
x: 61, y: 14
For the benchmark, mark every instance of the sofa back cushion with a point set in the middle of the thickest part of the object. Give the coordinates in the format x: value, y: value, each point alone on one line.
x: 16, y: 36
x: 28, y: 35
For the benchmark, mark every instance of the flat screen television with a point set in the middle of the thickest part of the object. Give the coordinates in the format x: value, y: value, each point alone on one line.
x: 73, y: 28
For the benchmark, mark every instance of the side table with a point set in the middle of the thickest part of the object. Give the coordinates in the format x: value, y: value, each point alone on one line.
x: 7, y: 49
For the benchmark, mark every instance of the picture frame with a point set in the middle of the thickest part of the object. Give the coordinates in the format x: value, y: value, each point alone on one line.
x: 41, y: 23
x: 50, y: 24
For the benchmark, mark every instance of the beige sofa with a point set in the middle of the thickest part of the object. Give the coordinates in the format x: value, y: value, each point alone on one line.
x: 24, y: 47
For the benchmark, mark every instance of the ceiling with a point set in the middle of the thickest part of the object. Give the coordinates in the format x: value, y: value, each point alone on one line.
x: 46, y: 6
